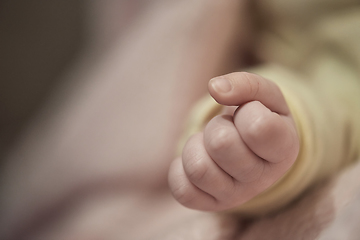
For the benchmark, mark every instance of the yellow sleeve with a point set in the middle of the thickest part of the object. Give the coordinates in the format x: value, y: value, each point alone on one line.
x: 323, y: 136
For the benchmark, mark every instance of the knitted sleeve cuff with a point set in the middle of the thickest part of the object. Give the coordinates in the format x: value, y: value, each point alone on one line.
x: 319, y: 154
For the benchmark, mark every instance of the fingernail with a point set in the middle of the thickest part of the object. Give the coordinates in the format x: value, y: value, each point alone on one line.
x: 221, y: 84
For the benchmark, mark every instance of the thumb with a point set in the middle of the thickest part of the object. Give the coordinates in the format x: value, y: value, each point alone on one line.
x: 237, y: 88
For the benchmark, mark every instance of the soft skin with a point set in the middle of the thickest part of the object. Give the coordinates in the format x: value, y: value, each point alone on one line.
x: 240, y: 155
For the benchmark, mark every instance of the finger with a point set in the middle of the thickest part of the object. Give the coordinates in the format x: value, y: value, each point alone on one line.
x: 204, y: 173
x: 185, y: 192
x: 242, y: 87
x: 225, y: 146
x: 269, y: 135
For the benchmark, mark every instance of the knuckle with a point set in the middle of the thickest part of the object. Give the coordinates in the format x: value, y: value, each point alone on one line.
x: 196, y: 169
x: 194, y: 161
x: 220, y: 139
x: 258, y: 128
x: 190, y: 153
x: 264, y: 125
x: 253, y: 83
x: 183, y: 194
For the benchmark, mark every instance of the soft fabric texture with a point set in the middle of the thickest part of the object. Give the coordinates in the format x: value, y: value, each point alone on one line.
x: 311, y: 49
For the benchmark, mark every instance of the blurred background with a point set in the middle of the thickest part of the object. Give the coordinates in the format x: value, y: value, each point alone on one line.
x: 76, y: 79
x: 40, y: 40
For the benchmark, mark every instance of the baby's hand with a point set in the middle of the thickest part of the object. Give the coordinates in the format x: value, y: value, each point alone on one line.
x: 237, y: 156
